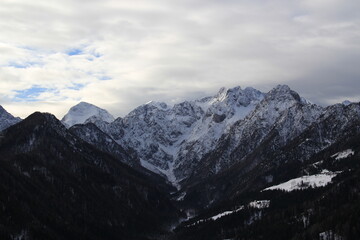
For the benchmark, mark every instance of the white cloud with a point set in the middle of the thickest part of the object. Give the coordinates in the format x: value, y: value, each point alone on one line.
x: 129, y: 52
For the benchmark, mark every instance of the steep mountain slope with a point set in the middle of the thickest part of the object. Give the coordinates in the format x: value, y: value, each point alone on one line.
x: 6, y: 119
x: 330, y: 212
x: 90, y: 133
x: 86, y: 112
x: 56, y: 186
x: 279, y: 117
x: 270, y: 162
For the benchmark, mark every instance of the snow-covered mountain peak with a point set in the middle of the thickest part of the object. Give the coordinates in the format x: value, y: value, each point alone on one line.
x: 346, y: 103
x: 85, y: 112
x: 238, y: 95
x: 6, y: 119
x: 159, y: 105
x: 283, y: 93
x: 4, y: 114
x: 234, y: 103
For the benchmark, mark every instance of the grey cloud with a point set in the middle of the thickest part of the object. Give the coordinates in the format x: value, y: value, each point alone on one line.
x: 173, y: 50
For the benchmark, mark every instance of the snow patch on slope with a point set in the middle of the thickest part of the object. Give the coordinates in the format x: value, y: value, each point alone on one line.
x: 329, y: 235
x: 258, y: 204
x: 344, y: 154
x: 304, y: 182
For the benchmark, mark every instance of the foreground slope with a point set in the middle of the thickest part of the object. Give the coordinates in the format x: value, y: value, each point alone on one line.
x: 312, y: 210
x: 56, y: 186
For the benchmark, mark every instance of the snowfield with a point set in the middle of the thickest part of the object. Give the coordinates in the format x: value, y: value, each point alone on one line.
x: 304, y: 182
x: 258, y: 204
x: 344, y: 154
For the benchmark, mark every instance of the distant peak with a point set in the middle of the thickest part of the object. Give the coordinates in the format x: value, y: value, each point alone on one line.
x: 6, y: 119
x: 239, y: 96
x: 83, y: 111
x: 84, y: 104
x: 157, y: 104
x: 284, y: 91
x: 42, y: 118
x: 282, y: 88
x: 222, y: 90
x: 346, y: 103
x: 4, y: 112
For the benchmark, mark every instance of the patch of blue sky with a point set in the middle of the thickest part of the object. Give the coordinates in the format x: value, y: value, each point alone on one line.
x: 26, y: 47
x: 104, y: 78
x: 77, y: 86
x: 75, y: 51
x: 101, y: 75
x: 30, y: 94
x: 24, y: 64
x: 96, y: 54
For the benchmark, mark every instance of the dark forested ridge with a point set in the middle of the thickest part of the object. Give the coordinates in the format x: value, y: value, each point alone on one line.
x: 56, y: 186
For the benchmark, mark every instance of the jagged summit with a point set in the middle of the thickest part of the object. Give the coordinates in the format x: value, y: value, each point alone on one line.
x: 237, y: 95
x: 160, y: 105
x: 6, y: 119
x: 346, y: 103
x: 283, y: 93
x: 84, y: 111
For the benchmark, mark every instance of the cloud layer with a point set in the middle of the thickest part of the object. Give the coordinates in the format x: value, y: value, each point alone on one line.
x: 119, y: 54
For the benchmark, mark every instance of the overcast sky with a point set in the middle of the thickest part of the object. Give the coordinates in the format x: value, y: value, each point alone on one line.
x: 119, y: 54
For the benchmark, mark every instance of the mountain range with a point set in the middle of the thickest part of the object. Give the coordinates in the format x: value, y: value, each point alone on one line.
x: 226, y: 166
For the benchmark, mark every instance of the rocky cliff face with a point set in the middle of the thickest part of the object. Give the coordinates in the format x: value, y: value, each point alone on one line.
x: 276, y: 156
x: 279, y: 117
